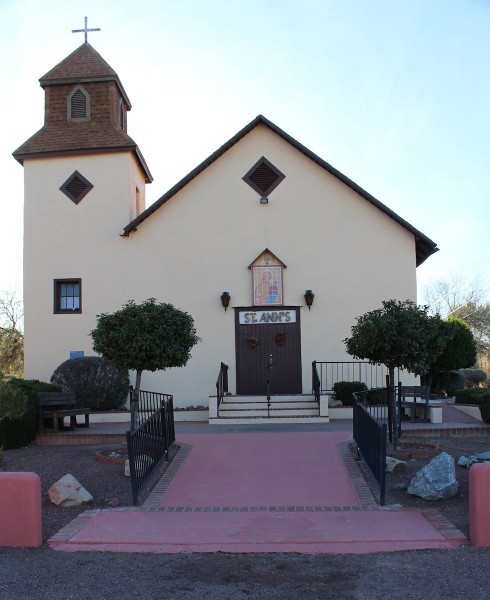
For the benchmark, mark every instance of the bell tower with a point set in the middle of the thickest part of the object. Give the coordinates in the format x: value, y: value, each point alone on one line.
x: 84, y: 181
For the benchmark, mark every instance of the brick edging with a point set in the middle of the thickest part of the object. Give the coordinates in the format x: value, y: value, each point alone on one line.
x: 478, y: 431
x: 79, y: 439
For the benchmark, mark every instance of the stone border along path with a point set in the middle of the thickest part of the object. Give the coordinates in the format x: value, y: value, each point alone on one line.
x: 73, y: 537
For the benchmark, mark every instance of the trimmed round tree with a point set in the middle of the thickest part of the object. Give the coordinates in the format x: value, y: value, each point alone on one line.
x: 459, y: 350
x: 150, y: 336
x: 401, y: 335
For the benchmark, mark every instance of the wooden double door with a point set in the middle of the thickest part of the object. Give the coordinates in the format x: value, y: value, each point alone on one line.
x: 268, y: 350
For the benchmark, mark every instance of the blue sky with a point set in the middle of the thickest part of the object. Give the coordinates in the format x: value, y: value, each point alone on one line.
x: 395, y: 94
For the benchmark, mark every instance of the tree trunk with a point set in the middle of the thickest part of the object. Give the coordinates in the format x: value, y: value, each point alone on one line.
x: 393, y: 407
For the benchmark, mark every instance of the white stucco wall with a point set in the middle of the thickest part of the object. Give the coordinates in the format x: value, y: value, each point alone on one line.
x: 199, y: 244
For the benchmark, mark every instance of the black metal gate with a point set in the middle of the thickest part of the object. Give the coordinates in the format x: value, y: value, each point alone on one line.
x: 369, y: 432
x: 149, y: 443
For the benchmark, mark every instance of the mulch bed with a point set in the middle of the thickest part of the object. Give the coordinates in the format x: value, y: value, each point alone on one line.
x: 455, y: 509
x: 106, y: 481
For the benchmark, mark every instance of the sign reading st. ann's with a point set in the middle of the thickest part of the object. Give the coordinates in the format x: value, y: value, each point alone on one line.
x: 262, y: 317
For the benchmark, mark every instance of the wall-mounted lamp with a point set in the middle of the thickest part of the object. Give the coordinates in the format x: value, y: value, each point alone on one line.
x: 309, y: 295
x: 264, y: 200
x: 225, y: 300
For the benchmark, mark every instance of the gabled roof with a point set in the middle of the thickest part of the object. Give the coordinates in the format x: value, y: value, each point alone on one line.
x: 424, y: 245
x: 266, y: 251
x: 83, y: 65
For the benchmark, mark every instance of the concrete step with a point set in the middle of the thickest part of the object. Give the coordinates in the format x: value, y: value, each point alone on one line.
x: 274, y: 398
x: 266, y: 420
x: 299, y: 404
x: 291, y: 408
x: 259, y: 412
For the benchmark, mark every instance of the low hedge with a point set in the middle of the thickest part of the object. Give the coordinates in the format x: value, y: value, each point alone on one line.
x: 19, y: 409
x: 474, y: 377
x: 343, y: 390
x: 485, y: 408
x: 14, y: 413
x: 471, y: 395
x: 449, y: 382
x: 377, y: 396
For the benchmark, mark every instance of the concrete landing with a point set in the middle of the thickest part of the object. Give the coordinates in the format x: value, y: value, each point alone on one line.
x: 259, y: 492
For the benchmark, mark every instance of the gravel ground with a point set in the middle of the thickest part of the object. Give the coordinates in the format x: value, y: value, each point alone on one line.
x: 44, y: 573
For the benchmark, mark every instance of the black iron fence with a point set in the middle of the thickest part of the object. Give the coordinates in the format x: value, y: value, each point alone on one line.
x: 221, y: 384
x: 369, y: 424
x: 329, y: 373
x: 151, y: 436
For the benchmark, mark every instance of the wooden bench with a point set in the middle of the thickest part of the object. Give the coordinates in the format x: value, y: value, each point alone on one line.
x: 54, y: 407
x: 408, y: 400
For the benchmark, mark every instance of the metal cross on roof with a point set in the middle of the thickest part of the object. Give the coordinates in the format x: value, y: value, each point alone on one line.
x: 84, y: 30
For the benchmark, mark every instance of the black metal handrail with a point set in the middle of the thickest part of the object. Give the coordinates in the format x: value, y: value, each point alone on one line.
x: 316, y: 384
x: 331, y: 372
x: 150, y: 441
x: 221, y: 384
x: 369, y: 432
x: 145, y: 406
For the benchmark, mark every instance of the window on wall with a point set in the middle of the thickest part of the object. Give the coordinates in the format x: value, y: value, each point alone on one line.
x: 67, y: 296
x: 79, y: 105
x: 267, y: 280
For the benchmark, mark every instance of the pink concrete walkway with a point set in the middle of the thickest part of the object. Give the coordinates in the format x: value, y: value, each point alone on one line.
x: 262, y: 469
x: 259, y: 492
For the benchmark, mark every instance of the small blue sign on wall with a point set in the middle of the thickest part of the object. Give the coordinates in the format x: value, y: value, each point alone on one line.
x: 76, y: 354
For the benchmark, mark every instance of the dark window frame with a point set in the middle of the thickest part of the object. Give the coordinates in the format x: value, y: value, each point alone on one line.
x: 57, y: 310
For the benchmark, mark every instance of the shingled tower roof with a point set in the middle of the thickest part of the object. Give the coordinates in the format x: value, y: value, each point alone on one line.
x: 83, y: 65
x: 102, y: 132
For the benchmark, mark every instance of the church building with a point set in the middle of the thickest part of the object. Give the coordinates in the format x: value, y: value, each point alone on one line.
x: 272, y: 251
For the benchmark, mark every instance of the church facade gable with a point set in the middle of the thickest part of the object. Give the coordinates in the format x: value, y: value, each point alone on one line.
x: 201, y: 238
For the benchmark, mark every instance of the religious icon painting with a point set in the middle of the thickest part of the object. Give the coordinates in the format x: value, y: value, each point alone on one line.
x: 267, y: 282
x: 267, y: 279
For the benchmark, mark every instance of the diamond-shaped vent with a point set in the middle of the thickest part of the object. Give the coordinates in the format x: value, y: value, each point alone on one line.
x: 263, y: 177
x: 76, y: 187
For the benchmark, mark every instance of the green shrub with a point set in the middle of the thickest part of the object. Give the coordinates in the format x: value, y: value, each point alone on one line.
x: 24, y: 429
x: 14, y: 416
x: 449, y: 382
x: 473, y: 377
x: 471, y: 395
x: 95, y: 382
x: 485, y: 407
x: 377, y: 396
x: 344, y: 389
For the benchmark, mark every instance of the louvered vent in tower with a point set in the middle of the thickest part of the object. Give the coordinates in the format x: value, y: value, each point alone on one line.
x: 76, y: 187
x: 264, y: 177
x: 78, y: 105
